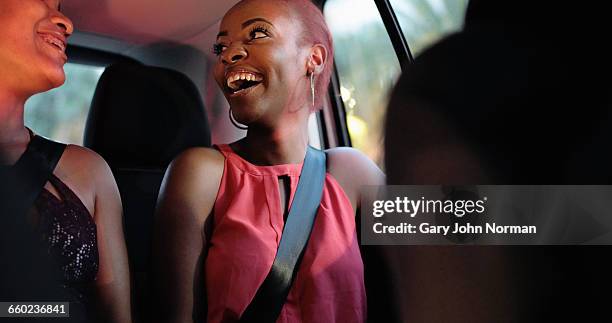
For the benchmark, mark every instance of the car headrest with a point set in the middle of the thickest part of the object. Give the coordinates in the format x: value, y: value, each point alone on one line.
x: 143, y: 116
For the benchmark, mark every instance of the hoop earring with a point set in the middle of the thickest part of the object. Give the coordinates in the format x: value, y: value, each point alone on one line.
x: 312, y: 89
x: 235, y: 123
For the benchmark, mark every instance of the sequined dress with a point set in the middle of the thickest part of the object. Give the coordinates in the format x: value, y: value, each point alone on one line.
x: 70, y: 232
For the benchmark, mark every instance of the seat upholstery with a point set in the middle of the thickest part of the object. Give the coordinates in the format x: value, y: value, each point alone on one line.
x: 141, y: 117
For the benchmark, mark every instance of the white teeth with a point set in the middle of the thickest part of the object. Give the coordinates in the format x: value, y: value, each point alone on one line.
x: 54, y: 41
x: 241, y: 76
x: 232, y: 84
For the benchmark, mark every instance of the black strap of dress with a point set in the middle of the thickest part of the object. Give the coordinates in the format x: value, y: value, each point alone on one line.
x: 25, y: 181
x: 271, y: 295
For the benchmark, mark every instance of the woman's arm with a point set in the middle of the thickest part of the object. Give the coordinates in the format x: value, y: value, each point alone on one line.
x: 112, y: 285
x: 186, y: 199
x: 353, y: 170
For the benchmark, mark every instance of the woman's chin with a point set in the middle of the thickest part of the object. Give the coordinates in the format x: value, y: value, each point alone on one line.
x: 242, y: 114
x: 55, y: 79
x: 243, y: 121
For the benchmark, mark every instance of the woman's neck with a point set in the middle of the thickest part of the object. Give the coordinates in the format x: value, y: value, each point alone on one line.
x: 14, y: 137
x: 285, y: 144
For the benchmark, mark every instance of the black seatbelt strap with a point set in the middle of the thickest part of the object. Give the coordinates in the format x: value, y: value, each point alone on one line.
x: 271, y: 295
x: 30, y: 173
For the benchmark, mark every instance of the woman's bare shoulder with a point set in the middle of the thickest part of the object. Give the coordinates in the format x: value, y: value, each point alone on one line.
x: 352, y: 170
x: 353, y: 167
x: 191, y: 183
x: 200, y: 157
x: 197, y: 165
x: 86, y: 173
x: 77, y: 159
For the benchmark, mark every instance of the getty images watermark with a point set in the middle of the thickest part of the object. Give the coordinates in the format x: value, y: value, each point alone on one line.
x: 506, y: 215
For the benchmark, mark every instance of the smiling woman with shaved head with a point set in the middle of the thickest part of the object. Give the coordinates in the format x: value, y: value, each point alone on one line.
x: 222, y: 212
x: 75, y: 209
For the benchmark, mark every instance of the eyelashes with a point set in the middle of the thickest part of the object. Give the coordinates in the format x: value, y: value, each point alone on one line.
x: 257, y: 32
x: 218, y: 48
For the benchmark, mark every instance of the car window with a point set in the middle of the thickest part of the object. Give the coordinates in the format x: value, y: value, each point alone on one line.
x: 424, y: 22
x: 60, y: 114
x: 367, y: 68
x: 367, y: 64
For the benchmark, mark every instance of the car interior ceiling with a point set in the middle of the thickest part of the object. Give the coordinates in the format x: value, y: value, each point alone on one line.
x: 136, y: 28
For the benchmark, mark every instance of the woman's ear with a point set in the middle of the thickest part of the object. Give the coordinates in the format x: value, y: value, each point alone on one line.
x: 317, y: 59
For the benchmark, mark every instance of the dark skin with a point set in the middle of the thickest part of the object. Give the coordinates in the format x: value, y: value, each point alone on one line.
x: 276, y: 112
x: 31, y: 60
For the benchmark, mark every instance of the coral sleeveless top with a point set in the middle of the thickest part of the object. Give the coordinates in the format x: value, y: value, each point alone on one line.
x: 248, y: 224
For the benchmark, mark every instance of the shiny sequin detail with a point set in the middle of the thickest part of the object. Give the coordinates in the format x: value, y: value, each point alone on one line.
x: 70, y: 232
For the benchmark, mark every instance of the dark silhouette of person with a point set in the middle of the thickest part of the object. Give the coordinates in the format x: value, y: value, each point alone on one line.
x: 519, y: 96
